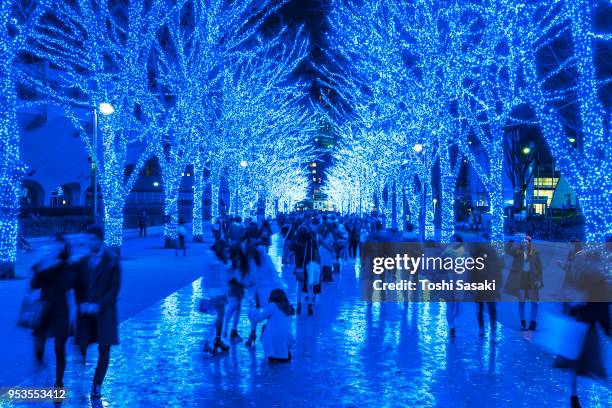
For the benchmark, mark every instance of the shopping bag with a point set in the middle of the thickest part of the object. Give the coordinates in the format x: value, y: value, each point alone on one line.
x: 33, y: 311
x: 560, y: 335
x: 299, y: 274
x: 209, y: 305
x: 314, y: 273
x: 606, y: 350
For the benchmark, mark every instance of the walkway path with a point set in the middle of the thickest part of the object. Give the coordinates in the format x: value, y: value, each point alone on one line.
x: 349, y: 354
x: 149, y: 273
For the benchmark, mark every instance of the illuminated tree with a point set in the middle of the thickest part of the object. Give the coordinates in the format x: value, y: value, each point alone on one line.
x: 265, y: 118
x: 193, y: 53
x: 566, y: 92
x: 18, y: 20
x: 102, y: 51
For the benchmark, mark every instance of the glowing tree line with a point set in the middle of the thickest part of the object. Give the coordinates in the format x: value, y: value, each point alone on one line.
x: 16, y: 28
x: 386, y: 92
x: 452, y: 73
x: 585, y: 156
x: 102, y: 51
x: 265, y: 119
x: 198, y: 49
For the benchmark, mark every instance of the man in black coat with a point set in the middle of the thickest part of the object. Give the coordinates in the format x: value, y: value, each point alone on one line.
x: 96, y: 293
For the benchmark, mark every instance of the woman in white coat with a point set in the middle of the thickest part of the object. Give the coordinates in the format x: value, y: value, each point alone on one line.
x: 277, y: 338
x: 326, y: 253
x: 265, y: 279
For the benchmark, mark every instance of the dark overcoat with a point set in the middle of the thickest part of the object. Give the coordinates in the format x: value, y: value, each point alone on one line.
x: 54, y: 282
x: 516, y: 275
x: 99, y: 285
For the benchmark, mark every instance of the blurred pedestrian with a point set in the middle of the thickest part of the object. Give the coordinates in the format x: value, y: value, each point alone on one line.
x: 181, y: 238
x: 236, y: 231
x: 591, y: 290
x: 97, y: 291
x: 492, y: 272
x: 239, y: 279
x: 306, y: 251
x: 325, y: 241
x: 143, y: 221
x: 216, y: 287
x: 55, y: 277
x: 456, y: 249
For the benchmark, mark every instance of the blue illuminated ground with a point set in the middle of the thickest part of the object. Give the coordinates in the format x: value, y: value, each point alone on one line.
x: 349, y: 354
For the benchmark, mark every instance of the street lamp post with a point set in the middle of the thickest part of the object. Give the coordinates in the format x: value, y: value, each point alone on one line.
x: 418, y: 148
x: 106, y: 109
x: 94, y: 158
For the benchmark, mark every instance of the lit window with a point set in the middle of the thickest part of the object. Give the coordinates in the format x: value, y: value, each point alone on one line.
x: 314, y: 172
x: 314, y: 179
x: 188, y: 174
x: 314, y: 164
x: 155, y: 184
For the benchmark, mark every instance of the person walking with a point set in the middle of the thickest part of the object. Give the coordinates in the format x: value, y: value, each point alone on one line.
x: 181, y: 238
x: 591, y: 290
x: 277, y: 337
x: 143, y: 220
x: 239, y: 279
x: 216, y: 287
x: 305, y: 248
x: 355, y: 237
x: 55, y: 277
x: 493, y: 265
x: 455, y: 250
x: 325, y: 241
x: 97, y: 291
x: 236, y: 231
x: 525, y: 279
x: 216, y: 230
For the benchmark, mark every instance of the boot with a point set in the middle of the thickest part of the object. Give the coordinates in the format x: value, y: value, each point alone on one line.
x: 251, y: 340
x: 532, y: 325
x: 523, y: 325
x: 452, y: 332
x: 218, y: 345
x: 235, y: 337
x: 574, y: 402
x: 96, y: 392
x: 215, y: 347
x: 310, y: 312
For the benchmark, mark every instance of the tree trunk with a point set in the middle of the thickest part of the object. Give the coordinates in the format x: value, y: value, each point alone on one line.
x: 9, y: 175
x: 113, y: 222
x: 430, y: 228
x: 447, y: 198
x: 496, y: 198
x: 197, y: 219
x: 171, y: 210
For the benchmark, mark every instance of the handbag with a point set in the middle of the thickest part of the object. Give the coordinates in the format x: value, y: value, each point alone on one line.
x: 33, y: 311
x: 209, y: 305
x: 314, y: 270
x: 300, y: 272
x: 561, y: 335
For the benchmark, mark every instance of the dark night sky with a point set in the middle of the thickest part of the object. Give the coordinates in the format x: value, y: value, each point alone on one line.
x: 311, y: 14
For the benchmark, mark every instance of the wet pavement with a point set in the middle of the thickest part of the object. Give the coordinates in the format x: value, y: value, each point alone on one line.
x: 349, y: 354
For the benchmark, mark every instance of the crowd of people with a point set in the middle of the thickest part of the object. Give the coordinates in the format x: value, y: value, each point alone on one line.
x: 239, y: 275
